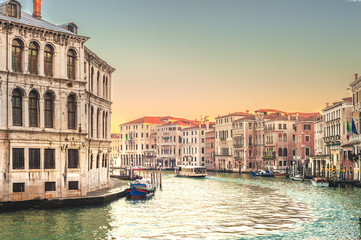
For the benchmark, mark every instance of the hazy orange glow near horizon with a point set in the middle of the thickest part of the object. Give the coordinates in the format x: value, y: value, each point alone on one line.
x: 188, y: 58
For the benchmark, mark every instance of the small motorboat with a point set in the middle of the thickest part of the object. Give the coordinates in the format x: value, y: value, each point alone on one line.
x: 140, y: 189
x: 280, y: 174
x: 256, y: 174
x: 267, y: 174
x: 297, y: 177
x: 320, y: 182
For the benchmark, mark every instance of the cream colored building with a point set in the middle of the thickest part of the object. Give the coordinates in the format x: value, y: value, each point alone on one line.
x: 55, y: 113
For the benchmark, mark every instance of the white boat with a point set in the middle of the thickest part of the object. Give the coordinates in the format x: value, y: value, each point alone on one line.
x: 320, y: 182
x: 297, y: 177
x: 191, y: 171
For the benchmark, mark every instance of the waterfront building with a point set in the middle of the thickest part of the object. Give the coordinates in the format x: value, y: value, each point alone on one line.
x: 336, y: 117
x: 115, y: 151
x: 150, y: 155
x: 244, y: 141
x: 55, y: 118
x: 305, y: 141
x: 210, y: 149
x: 355, y: 140
x: 193, y: 145
x: 224, y: 159
x: 279, y: 140
x: 135, y: 139
x: 169, y: 141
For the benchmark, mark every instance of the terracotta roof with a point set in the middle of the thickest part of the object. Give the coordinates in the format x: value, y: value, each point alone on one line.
x: 144, y: 120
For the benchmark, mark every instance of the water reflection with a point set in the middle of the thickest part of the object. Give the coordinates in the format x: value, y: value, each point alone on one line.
x: 221, y: 206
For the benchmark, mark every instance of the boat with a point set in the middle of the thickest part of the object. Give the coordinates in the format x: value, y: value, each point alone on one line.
x: 267, y: 174
x: 256, y: 174
x: 320, y: 182
x: 140, y: 189
x: 191, y: 171
x: 280, y: 174
x: 297, y: 177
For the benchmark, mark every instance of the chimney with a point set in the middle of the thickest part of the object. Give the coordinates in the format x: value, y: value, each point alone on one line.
x: 356, y: 76
x: 247, y: 111
x: 327, y: 104
x: 207, y: 122
x: 37, y: 9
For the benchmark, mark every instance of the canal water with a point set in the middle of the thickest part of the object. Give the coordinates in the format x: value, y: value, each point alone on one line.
x: 221, y: 206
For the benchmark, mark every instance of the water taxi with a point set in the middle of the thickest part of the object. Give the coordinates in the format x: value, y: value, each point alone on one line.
x: 320, y: 182
x: 140, y: 189
x: 280, y: 174
x: 191, y: 171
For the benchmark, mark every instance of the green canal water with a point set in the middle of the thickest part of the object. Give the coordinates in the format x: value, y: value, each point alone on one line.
x: 221, y: 206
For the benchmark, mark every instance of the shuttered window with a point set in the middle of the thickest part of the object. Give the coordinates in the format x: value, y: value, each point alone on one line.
x: 73, y: 158
x: 49, y: 159
x: 18, y: 187
x: 50, y: 186
x: 34, y: 158
x: 18, y: 158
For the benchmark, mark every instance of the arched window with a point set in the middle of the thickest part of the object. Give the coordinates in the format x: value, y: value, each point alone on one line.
x: 33, y: 109
x: 285, y: 152
x: 33, y: 58
x: 280, y: 152
x: 71, y: 64
x: 98, y: 159
x: 98, y: 124
x: 98, y: 83
x: 106, y: 126
x: 48, y: 60
x: 17, y: 105
x: 91, y: 161
x: 92, y: 122
x: 17, y: 55
x: 280, y: 137
x: 49, y: 110
x: 92, y: 79
x: 103, y: 129
x: 71, y: 112
x: 104, y: 87
x: 285, y: 137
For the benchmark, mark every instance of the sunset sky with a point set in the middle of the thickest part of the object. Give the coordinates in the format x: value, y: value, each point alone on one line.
x: 188, y: 58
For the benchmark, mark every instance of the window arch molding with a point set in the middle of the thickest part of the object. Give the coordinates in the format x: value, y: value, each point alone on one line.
x: 33, y: 57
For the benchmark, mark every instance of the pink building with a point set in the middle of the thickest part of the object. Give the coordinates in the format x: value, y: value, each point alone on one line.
x: 210, y: 150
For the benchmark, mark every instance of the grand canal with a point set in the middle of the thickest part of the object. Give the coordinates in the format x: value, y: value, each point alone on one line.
x: 221, y: 206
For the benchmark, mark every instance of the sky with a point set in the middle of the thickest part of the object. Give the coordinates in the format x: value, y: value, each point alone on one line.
x: 193, y: 58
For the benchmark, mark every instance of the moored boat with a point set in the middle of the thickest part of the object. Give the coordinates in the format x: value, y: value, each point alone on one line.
x: 140, y: 189
x: 280, y: 174
x: 267, y: 174
x: 257, y: 174
x: 320, y: 182
x: 191, y: 171
x: 297, y: 177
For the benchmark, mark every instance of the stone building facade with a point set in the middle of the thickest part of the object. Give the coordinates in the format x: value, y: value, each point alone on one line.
x: 46, y: 101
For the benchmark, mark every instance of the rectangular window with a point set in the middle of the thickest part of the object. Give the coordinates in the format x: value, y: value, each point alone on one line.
x: 279, y: 126
x: 73, y: 185
x: 307, y: 152
x: 307, y: 138
x: 284, y: 126
x: 73, y: 158
x: 34, y: 158
x: 307, y: 127
x: 18, y: 158
x: 18, y: 187
x: 49, y: 186
x: 49, y: 159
